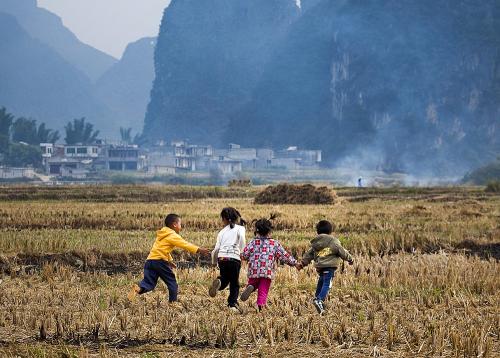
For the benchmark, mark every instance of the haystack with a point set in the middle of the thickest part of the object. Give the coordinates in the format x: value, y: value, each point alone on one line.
x: 295, y: 194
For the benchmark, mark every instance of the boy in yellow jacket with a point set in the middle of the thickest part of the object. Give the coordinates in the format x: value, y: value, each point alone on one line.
x: 159, y: 263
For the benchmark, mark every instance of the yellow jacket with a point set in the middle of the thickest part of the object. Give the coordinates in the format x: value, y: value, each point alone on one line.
x: 166, y: 241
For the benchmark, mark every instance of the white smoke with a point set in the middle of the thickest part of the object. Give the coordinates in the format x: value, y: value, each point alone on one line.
x: 367, y: 163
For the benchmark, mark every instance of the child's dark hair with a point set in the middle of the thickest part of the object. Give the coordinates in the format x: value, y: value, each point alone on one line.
x: 263, y: 227
x: 232, y: 215
x: 171, y: 219
x: 324, y: 227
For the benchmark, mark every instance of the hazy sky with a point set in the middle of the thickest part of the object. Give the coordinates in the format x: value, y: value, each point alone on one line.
x: 109, y: 25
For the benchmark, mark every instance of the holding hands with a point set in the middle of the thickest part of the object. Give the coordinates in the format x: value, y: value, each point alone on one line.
x: 204, y: 251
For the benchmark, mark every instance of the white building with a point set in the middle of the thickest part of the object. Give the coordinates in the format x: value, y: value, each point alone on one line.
x: 161, y: 163
x: 47, y: 149
x: 16, y: 173
x: 161, y: 170
x: 307, y: 157
x: 74, y: 173
x: 227, y: 166
x: 76, y: 151
x: 123, y: 157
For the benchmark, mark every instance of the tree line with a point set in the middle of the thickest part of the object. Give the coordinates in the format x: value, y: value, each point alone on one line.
x: 20, y: 138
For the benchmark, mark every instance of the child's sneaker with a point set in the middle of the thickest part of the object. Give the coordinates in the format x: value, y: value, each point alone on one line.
x: 235, y: 309
x: 247, y: 292
x: 134, y: 292
x: 319, y: 306
x: 212, y: 291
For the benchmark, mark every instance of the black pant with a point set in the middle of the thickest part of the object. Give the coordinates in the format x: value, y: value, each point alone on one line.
x: 154, y: 269
x: 229, y: 275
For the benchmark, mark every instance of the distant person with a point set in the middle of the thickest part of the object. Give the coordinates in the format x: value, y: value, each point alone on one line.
x: 226, y: 254
x: 360, y: 184
x: 159, y: 263
x: 262, y: 253
x: 327, y: 253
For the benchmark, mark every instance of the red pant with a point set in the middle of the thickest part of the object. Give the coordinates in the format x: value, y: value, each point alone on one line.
x: 262, y: 286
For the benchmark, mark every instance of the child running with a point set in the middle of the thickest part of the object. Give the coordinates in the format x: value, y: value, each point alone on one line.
x: 327, y: 253
x: 159, y: 263
x: 262, y: 253
x: 230, y: 244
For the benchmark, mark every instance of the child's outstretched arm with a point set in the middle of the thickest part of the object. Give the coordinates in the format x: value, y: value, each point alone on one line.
x: 179, y: 242
x: 306, y: 258
x: 245, y: 254
x: 343, y: 253
x: 203, y: 251
x: 284, y: 256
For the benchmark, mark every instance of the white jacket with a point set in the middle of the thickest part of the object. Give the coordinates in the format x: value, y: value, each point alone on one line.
x: 230, y: 243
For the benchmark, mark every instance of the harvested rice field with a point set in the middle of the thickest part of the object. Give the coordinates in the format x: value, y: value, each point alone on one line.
x: 424, y: 280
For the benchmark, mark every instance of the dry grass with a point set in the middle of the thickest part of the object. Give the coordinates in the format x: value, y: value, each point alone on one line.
x: 412, y: 304
x: 119, y: 193
x: 66, y: 268
x: 373, y: 227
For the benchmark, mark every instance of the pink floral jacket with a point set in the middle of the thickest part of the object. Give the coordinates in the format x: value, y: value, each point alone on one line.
x: 262, y: 254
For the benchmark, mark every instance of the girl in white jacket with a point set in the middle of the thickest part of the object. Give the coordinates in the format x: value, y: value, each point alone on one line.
x: 226, y: 254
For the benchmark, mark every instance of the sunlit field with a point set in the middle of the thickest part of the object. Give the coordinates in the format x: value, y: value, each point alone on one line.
x: 424, y: 282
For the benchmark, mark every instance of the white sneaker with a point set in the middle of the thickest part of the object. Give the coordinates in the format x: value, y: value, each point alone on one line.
x: 319, y: 306
x: 234, y: 309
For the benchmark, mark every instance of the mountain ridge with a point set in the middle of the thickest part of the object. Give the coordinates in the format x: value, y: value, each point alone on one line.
x: 394, y: 85
x: 37, y: 82
x: 126, y: 86
x: 49, y: 28
x: 208, y: 58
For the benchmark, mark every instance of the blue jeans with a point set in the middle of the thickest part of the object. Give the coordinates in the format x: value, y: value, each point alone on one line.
x: 325, y: 278
x: 154, y: 269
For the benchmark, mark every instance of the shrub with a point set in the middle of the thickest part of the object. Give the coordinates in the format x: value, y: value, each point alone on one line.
x: 295, y: 194
x: 483, y: 175
x: 493, y: 186
x: 22, y: 155
x: 240, y: 183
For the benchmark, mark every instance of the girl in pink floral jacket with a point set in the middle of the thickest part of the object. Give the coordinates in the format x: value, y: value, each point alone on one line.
x: 262, y: 254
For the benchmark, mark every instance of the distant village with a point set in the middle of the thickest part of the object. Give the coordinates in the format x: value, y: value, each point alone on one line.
x: 80, y: 162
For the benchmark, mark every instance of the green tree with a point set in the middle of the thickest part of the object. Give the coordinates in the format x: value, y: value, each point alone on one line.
x: 6, y: 120
x: 4, y: 143
x: 24, y: 130
x: 21, y: 155
x: 139, y: 139
x: 79, y: 131
x: 45, y: 135
x: 126, y: 135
